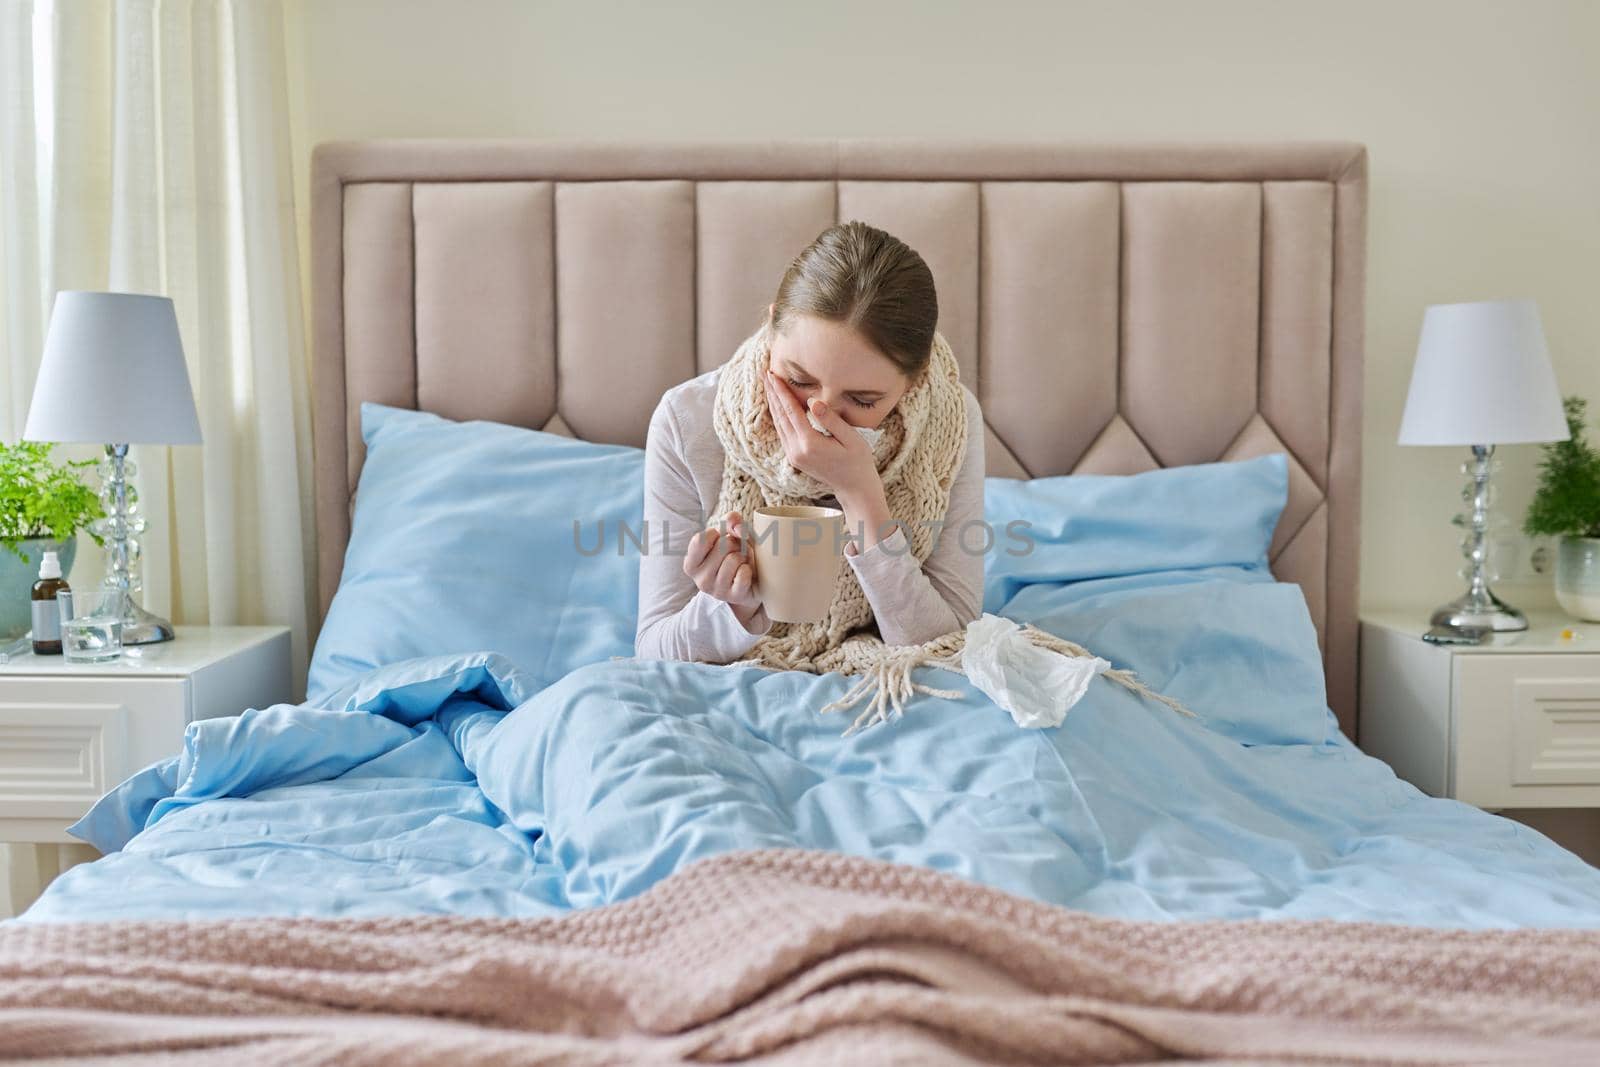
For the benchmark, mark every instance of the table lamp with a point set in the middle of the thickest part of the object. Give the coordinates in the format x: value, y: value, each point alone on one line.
x: 1482, y: 378
x: 113, y: 374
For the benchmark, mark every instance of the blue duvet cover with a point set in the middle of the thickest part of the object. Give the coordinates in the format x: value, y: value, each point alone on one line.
x: 457, y: 784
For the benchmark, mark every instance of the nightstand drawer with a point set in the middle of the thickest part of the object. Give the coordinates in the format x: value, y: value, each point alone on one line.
x: 64, y: 743
x: 1555, y: 726
x: 1528, y: 729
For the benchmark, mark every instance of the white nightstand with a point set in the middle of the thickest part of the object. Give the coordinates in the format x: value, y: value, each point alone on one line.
x: 71, y: 731
x: 1513, y: 723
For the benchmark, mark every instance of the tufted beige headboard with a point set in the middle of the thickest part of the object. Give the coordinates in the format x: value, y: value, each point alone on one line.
x: 1114, y: 307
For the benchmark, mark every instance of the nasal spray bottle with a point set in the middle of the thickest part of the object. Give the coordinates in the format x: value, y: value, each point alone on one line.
x: 46, y: 612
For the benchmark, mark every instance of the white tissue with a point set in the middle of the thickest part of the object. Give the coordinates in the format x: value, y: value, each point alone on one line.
x: 869, y: 435
x: 1037, y: 686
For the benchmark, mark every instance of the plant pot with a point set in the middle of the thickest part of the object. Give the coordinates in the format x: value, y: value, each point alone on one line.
x: 17, y: 578
x: 1578, y: 577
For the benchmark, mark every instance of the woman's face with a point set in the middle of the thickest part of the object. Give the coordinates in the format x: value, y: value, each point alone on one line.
x: 834, y: 363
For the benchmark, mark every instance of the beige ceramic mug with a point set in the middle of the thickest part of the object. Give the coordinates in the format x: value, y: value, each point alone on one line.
x: 797, y: 553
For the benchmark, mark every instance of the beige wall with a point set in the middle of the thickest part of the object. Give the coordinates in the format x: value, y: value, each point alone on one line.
x: 1483, y: 120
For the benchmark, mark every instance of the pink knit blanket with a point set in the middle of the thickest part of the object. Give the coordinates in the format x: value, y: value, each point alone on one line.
x: 790, y: 957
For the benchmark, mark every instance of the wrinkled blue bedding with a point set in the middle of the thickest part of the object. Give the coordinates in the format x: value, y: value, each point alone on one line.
x: 460, y: 784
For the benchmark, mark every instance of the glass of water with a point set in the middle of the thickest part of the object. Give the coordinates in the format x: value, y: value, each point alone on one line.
x: 91, y: 624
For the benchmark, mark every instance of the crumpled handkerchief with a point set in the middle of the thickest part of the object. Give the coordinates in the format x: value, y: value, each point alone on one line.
x: 1037, y: 686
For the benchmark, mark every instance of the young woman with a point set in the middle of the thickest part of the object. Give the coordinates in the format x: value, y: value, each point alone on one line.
x: 851, y: 340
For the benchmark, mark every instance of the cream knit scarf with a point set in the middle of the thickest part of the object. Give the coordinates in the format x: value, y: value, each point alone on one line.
x: 924, y: 441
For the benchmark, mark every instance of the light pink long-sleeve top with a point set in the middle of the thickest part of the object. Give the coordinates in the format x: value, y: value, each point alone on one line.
x: 912, y: 602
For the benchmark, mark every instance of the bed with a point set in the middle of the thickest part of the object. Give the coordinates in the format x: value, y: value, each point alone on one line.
x: 1167, y: 344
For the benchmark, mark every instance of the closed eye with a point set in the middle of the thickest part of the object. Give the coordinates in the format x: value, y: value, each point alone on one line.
x: 859, y: 401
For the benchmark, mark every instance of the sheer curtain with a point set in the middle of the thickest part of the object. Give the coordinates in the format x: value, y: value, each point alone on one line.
x: 144, y: 147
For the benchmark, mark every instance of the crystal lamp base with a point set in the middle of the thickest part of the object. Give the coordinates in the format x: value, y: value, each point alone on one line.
x: 1487, y: 611
x: 140, y: 627
x: 1478, y: 606
x: 121, y: 526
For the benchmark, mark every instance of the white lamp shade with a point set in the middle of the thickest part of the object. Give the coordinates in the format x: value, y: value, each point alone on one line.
x: 1482, y: 377
x: 113, y: 373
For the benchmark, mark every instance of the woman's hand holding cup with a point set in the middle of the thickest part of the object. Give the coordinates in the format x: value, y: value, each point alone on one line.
x: 720, y: 565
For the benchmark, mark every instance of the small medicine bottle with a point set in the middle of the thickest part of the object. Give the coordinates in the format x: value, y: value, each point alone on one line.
x: 46, y: 613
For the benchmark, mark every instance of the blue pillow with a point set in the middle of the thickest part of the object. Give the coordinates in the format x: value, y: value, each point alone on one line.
x: 1166, y: 573
x: 1229, y: 642
x: 464, y: 539
x: 1080, y: 526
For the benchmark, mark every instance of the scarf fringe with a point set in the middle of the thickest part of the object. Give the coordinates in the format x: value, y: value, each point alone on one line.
x: 888, y: 683
x: 1121, y: 675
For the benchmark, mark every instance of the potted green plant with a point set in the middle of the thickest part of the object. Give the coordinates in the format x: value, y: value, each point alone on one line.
x: 43, y: 505
x: 1567, y: 505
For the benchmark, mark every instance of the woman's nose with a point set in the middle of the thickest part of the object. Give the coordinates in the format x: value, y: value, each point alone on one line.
x: 834, y: 401
x: 807, y: 393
